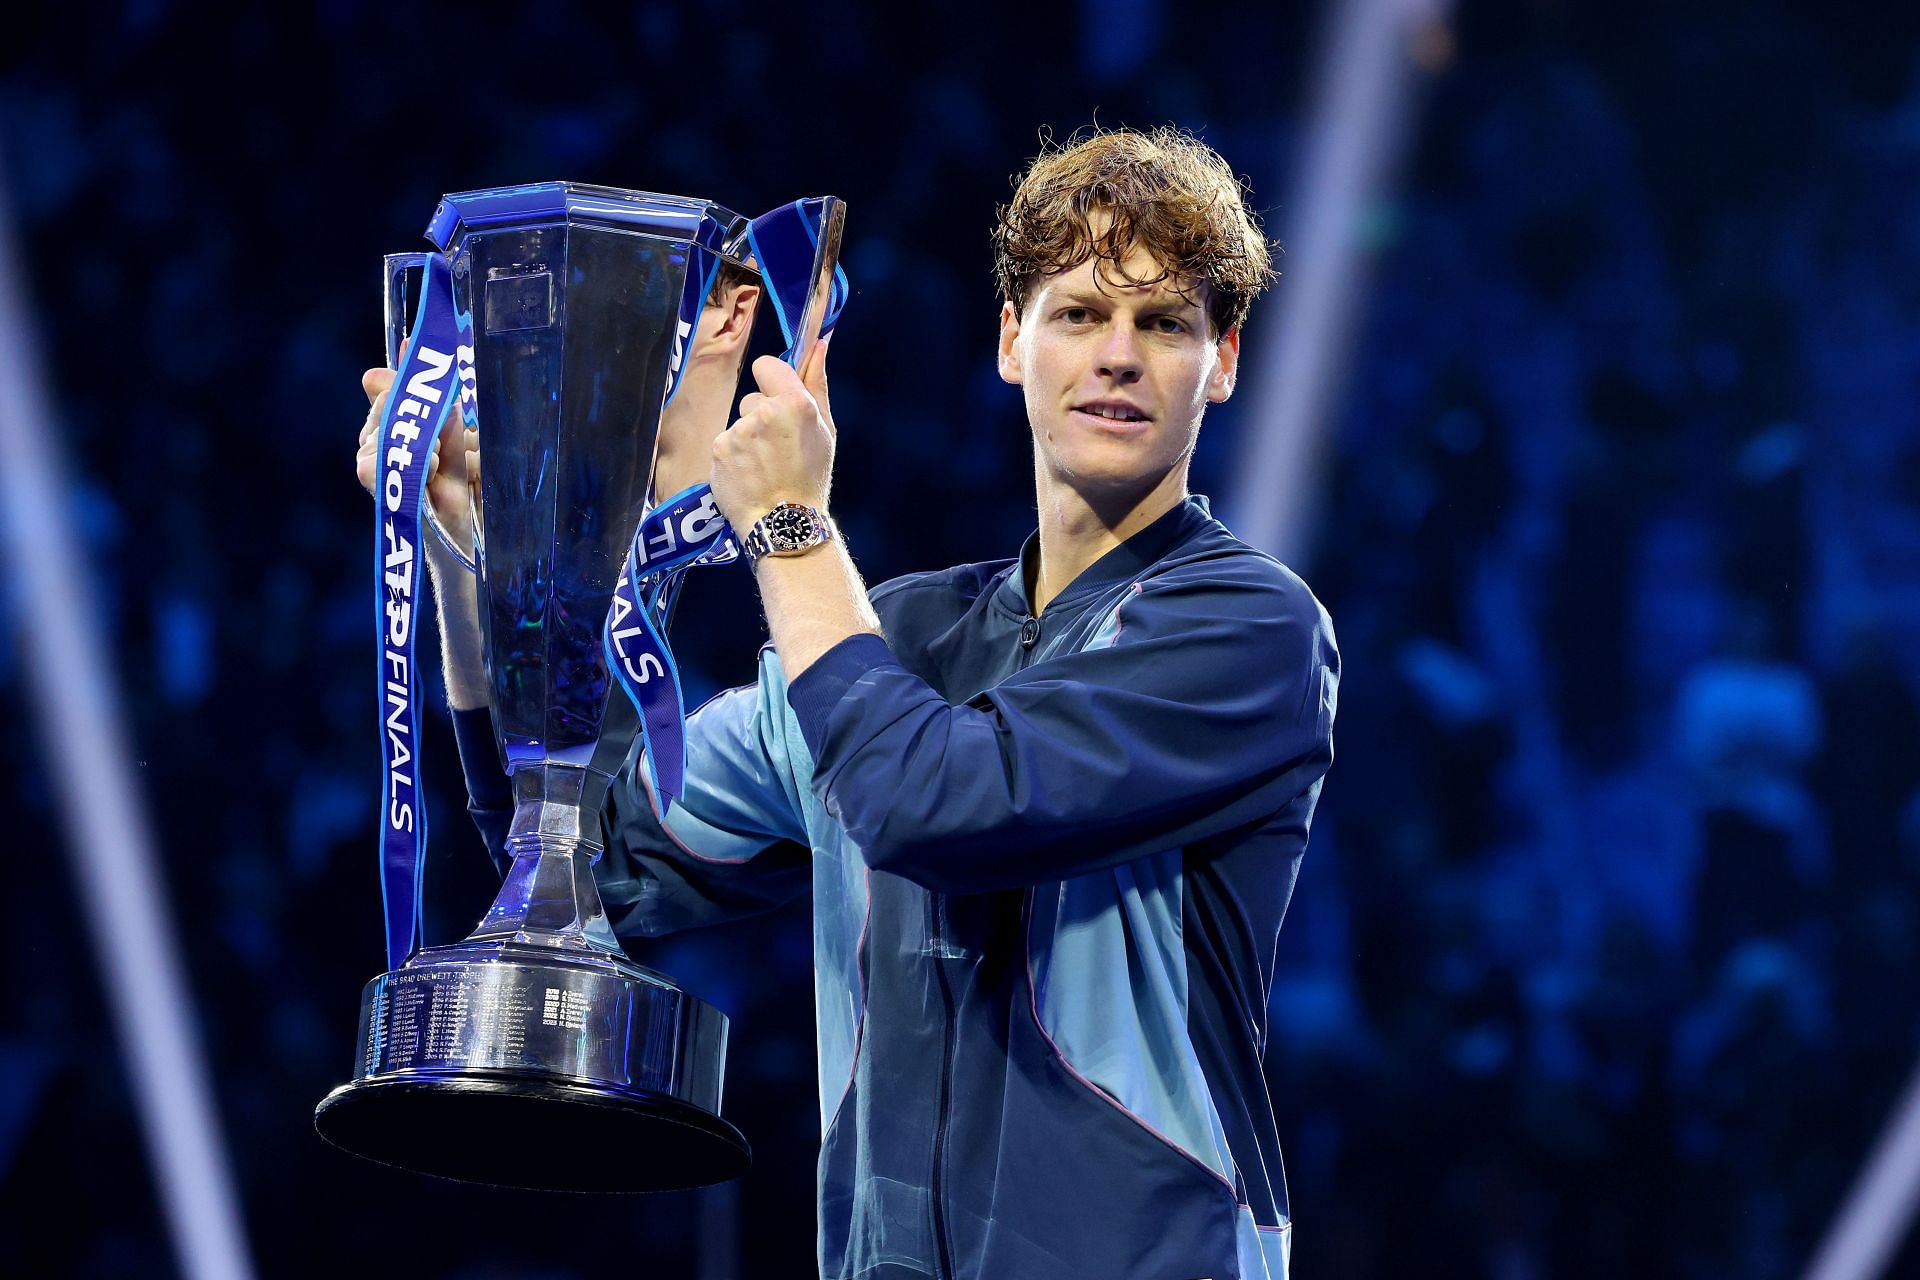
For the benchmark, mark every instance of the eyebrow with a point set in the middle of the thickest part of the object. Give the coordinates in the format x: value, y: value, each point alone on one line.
x: 1159, y: 297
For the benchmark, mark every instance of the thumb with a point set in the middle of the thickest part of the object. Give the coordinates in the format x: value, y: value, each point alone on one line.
x: 774, y: 376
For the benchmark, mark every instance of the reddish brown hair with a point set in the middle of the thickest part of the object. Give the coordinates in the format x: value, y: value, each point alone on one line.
x: 1165, y: 190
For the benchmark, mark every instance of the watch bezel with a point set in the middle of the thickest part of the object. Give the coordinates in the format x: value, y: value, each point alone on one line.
x: 791, y: 527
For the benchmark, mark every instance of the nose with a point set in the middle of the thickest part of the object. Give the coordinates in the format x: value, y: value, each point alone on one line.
x: 1119, y: 354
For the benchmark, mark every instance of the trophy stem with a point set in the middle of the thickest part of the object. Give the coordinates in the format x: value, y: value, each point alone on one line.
x: 549, y: 897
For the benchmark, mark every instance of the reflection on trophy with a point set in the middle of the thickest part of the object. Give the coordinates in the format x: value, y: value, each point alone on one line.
x: 605, y: 335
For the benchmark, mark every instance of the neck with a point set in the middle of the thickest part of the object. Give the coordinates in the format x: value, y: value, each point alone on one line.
x: 1076, y: 528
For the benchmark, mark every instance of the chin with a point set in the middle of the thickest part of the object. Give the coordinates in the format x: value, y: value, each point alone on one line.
x: 1116, y: 464
x: 1118, y: 477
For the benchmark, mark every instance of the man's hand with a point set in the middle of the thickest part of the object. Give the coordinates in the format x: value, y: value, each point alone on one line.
x: 456, y: 457
x: 781, y: 449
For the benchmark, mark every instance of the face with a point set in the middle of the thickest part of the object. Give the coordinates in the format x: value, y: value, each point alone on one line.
x: 1116, y: 376
x: 701, y: 407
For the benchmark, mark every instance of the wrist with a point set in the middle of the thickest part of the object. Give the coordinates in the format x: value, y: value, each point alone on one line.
x: 786, y: 530
x: 443, y: 565
x: 456, y: 596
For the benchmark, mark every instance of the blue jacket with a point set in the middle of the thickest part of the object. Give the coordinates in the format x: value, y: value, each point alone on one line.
x: 1049, y: 859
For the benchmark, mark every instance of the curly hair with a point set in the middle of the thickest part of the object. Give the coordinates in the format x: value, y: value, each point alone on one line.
x: 1165, y: 190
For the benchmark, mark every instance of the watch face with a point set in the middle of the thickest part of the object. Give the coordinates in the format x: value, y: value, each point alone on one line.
x: 789, y: 528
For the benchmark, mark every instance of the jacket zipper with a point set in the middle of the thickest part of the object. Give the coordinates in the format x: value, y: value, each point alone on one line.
x: 936, y: 1185
x: 937, y: 947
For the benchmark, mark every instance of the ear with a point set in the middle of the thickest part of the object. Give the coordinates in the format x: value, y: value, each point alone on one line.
x: 1010, y: 369
x: 1226, y: 370
x: 736, y: 318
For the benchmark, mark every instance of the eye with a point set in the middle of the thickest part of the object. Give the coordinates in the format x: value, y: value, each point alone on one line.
x: 1077, y: 315
x: 1166, y: 324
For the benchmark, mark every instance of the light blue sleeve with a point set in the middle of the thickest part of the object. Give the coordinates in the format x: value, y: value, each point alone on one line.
x: 735, y: 844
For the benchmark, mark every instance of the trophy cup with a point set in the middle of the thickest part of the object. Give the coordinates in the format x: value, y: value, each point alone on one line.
x: 535, y: 1053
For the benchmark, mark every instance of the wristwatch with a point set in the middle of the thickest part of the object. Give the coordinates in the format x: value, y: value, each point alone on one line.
x: 787, y: 530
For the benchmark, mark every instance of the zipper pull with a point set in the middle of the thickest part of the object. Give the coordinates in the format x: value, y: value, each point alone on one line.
x: 1029, y: 634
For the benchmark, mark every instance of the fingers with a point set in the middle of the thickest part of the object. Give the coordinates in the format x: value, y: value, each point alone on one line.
x: 456, y: 448
x: 363, y: 461
x: 767, y: 404
x: 456, y: 445
x: 375, y: 412
x: 777, y: 378
x: 780, y: 383
x: 374, y: 382
x: 454, y: 436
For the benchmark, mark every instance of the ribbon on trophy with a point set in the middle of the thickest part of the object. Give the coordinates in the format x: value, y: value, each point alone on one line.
x: 687, y: 529
x: 435, y: 374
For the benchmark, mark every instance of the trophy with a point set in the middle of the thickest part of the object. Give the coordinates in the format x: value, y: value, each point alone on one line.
x: 564, y: 321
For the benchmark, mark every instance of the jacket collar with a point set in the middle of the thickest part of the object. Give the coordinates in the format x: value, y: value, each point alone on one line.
x: 1122, y: 564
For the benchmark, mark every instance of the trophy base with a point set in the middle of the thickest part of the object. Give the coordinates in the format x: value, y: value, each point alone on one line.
x: 531, y: 1134
x: 528, y: 1066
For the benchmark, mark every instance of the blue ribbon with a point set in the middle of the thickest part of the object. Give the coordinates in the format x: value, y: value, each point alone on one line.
x: 432, y: 378
x: 784, y: 242
x: 674, y: 536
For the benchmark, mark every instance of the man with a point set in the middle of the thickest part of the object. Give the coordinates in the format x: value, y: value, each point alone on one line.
x: 1050, y: 809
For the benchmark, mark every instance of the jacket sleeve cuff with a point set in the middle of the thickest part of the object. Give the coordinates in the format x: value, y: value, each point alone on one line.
x: 819, y: 688
x: 487, y: 786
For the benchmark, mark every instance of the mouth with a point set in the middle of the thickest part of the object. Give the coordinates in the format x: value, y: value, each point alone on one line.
x: 1111, y: 415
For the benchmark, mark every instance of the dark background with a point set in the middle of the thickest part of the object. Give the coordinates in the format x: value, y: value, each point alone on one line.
x: 1603, y: 960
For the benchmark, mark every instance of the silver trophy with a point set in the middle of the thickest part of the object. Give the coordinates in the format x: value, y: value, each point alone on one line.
x: 535, y: 1053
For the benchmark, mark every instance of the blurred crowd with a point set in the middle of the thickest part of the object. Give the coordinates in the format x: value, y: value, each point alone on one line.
x: 1602, y: 961
x: 1616, y: 896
